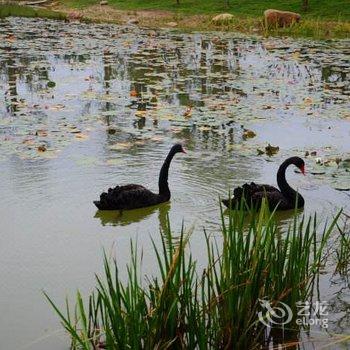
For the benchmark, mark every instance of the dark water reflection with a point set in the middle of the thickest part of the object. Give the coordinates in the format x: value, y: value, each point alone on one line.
x: 122, y: 218
x: 106, y: 103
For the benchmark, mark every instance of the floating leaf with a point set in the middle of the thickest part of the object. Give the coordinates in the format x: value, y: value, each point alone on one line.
x: 120, y: 146
x: 41, y: 133
x: 188, y: 112
x: 140, y: 113
x: 248, y: 134
x: 114, y: 161
x: 271, y: 150
x: 57, y: 107
x: 42, y: 148
x: 51, y: 84
x: 81, y: 136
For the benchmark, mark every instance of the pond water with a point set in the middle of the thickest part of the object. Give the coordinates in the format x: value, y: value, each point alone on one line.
x: 84, y: 107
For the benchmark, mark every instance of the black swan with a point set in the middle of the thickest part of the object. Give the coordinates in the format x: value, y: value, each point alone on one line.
x: 136, y: 196
x: 284, y: 199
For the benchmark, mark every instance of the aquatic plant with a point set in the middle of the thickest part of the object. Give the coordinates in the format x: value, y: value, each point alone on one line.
x: 343, y: 249
x: 218, y: 308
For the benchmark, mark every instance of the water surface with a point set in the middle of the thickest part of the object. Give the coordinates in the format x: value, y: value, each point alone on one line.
x: 84, y: 107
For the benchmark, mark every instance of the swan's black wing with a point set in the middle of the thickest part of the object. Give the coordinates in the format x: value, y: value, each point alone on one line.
x: 262, y: 188
x: 127, y: 197
x: 252, y: 193
x: 274, y: 199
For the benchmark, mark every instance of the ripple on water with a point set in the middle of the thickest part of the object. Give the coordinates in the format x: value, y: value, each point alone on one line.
x: 107, y: 103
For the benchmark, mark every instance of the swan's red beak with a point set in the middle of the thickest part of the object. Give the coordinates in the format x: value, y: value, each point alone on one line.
x: 183, y: 150
x: 302, y: 169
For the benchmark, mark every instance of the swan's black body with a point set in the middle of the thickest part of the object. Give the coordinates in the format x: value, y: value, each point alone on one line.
x: 136, y: 196
x: 284, y: 198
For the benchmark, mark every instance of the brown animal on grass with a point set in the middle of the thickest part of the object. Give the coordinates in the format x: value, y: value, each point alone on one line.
x: 276, y: 18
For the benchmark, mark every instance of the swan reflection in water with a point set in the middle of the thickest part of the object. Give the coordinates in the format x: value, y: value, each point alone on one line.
x: 126, y: 217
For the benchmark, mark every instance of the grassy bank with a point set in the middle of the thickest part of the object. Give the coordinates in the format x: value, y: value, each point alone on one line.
x: 214, y: 308
x: 7, y: 10
x: 318, y: 9
x: 323, y: 18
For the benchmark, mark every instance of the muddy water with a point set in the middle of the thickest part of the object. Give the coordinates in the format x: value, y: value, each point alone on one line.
x: 84, y: 107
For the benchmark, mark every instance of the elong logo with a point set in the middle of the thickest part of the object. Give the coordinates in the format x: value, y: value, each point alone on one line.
x: 281, y: 314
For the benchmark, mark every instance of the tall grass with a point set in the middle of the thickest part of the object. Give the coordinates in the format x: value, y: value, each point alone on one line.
x: 313, y: 28
x: 343, y: 249
x: 215, y: 308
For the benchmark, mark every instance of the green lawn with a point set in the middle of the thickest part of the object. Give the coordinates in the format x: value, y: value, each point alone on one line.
x: 7, y: 10
x: 318, y: 9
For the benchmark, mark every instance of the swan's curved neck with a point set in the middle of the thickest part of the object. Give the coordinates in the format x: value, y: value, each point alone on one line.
x: 283, y: 185
x: 163, y: 177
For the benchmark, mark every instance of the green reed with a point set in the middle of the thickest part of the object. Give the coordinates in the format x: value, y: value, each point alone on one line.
x: 343, y: 248
x: 215, y: 308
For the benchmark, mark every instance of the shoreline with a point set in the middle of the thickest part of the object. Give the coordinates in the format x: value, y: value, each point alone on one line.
x: 160, y: 19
